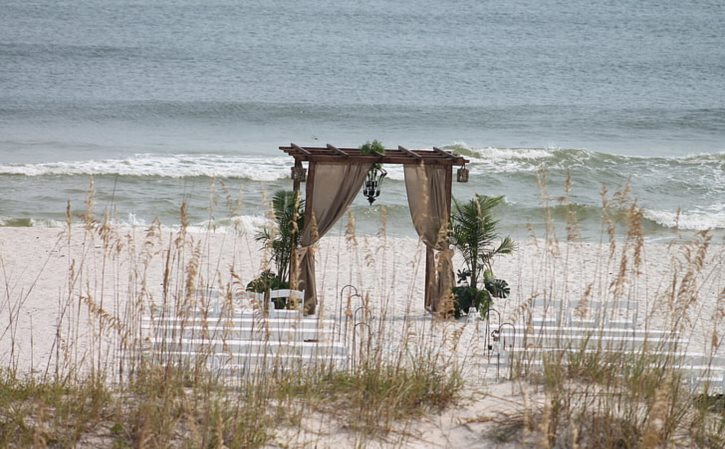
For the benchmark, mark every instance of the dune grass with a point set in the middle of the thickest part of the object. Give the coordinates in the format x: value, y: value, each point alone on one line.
x: 597, y: 393
x: 104, y: 385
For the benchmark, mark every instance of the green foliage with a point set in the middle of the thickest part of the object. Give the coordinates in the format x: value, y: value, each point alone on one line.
x: 281, y: 238
x: 269, y: 281
x: 498, y: 288
x: 474, y: 233
x: 467, y: 297
x: 374, y: 147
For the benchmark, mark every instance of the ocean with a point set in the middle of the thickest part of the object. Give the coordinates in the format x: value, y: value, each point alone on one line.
x: 170, y: 101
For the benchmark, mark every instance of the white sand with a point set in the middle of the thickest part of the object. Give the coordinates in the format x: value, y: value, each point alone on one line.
x: 40, y: 270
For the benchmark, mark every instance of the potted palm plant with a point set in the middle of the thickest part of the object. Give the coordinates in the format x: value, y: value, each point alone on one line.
x: 474, y: 233
x: 281, y: 240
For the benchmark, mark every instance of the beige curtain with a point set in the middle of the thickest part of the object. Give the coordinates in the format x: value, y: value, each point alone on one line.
x: 428, y: 204
x: 334, y: 187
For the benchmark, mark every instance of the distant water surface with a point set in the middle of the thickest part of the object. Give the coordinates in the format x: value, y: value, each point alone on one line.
x: 155, y: 99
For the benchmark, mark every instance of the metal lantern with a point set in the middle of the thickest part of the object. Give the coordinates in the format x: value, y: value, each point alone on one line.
x: 299, y: 174
x: 462, y: 174
x: 373, y: 183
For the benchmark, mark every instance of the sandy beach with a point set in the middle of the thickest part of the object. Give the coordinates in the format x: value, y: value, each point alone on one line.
x: 50, y: 278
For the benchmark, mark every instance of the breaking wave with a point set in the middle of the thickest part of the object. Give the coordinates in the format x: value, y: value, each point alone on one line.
x: 174, y: 166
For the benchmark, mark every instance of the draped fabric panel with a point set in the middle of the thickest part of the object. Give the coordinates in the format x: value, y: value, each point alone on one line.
x: 334, y: 187
x: 428, y: 204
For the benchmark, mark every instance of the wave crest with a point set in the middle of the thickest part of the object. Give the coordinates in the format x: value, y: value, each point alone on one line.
x: 690, y: 220
x: 171, y: 166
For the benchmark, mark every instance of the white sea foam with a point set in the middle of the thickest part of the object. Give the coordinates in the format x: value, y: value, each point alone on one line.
x: 529, y: 154
x: 507, y: 160
x: 133, y: 220
x: 240, y: 224
x: 502, y: 153
x: 174, y: 166
x: 700, y: 157
x: 31, y: 222
x: 690, y: 220
x: 395, y: 172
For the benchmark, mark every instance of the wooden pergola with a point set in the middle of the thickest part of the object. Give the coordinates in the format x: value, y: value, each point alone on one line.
x: 397, y: 156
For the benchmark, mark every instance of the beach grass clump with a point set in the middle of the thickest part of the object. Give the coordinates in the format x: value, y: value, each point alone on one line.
x: 623, y: 408
x: 159, y: 410
x: 589, y: 389
x: 163, y: 405
x: 36, y: 413
x: 372, y: 399
x: 167, y: 407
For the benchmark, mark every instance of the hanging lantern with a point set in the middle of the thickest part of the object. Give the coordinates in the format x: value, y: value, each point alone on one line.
x: 299, y: 174
x: 462, y: 174
x: 373, y: 183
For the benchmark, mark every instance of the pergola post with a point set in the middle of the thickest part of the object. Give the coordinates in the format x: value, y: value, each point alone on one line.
x: 449, y: 194
x: 309, y: 189
x: 430, y: 262
x: 293, y: 268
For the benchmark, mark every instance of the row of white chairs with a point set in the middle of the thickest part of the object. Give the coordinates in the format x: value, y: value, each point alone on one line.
x: 554, y: 326
x: 242, y: 336
x: 700, y: 371
x: 264, y: 301
x: 622, y: 313
x: 213, y: 304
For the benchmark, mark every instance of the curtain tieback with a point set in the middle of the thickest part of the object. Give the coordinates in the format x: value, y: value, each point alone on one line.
x: 302, y: 251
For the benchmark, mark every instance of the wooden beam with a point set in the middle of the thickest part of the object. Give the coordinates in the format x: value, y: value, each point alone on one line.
x: 300, y: 149
x: 293, y: 273
x: 410, y: 153
x: 391, y: 156
x: 309, y: 195
x: 400, y: 158
x: 338, y: 151
x: 430, y: 263
x: 444, y: 153
x: 310, y: 188
x: 449, y: 193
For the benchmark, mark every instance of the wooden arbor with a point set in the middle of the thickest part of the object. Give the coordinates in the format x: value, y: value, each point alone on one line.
x: 399, y: 156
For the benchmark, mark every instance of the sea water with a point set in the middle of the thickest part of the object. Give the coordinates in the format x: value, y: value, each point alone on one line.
x: 170, y: 101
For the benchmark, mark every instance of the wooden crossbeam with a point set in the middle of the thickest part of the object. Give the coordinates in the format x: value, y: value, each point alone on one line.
x: 300, y: 149
x: 409, y: 153
x: 444, y: 153
x: 337, y: 151
x: 401, y: 155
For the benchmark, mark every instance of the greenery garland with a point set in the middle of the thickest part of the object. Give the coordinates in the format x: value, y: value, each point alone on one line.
x: 375, y: 147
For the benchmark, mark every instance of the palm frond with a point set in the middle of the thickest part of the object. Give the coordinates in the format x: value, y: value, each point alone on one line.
x: 279, y: 237
x: 507, y: 246
x: 474, y: 233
